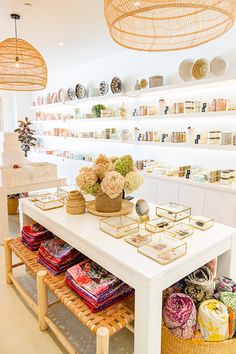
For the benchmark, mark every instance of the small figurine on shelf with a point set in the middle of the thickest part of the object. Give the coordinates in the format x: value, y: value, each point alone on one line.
x: 25, y: 135
x: 123, y: 111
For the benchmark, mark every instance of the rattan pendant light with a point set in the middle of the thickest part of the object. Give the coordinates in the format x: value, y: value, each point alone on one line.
x: 155, y: 25
x: 22, y: 68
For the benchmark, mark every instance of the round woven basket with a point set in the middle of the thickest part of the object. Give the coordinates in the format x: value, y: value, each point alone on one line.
x: 105, y: 204
x: 173, y: 345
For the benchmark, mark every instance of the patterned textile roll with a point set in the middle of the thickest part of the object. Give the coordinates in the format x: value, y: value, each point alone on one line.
x: 178, y: 287
x: 225, y: 284
x: 204, y: 278
x: 213, y: 321
x: 232, y: 322
x: 196, y: 292
x: 180, y: 315
x: 229, y: 299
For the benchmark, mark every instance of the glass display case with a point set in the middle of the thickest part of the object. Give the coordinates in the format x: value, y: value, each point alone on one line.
x: 49, y: 202
x: 118, y: 226
x: 173, y: 211
x: 181, y: 231
x: 201, y: 222
x: 138, y: 237
x: 163, y: 249
x: 158, y: 225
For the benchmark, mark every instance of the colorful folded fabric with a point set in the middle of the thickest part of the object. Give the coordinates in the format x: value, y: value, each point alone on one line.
x: 225, y: 284
x: 57, y: 256
x: 98, y: 288
x: 232, y: 322
x: 204, y: 278
x: 180, y: 315
x: 178, y: 287
x: 213, y: 320
x: 196, y: 292
x: 229, y: 299
x: 34, y: 235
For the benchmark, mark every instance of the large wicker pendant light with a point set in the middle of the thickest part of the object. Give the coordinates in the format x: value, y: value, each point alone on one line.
x: 155, y: 25
x: 22, y: 68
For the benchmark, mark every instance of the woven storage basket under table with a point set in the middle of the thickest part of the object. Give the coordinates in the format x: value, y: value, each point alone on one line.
x: 173, y: 345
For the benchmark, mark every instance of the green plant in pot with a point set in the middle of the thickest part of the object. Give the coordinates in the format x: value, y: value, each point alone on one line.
x: 25, y: 135
x: 96, y: 109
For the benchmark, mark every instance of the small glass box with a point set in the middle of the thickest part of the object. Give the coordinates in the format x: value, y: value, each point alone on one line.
x: 138, y: 237
x: 33, y: 196
x: 181, y: 231
x: 49, y: 202
x: 118, y: 226
x: 164, y: 249
x: 158, y: 225
x: 62, y: 192
x: 173, y: 211
x: 201, y: 222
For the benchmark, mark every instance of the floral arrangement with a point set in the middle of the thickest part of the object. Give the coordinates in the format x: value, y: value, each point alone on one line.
x: 110, y: 176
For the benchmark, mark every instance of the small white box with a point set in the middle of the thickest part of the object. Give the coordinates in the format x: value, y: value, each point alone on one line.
x: 42, y: 171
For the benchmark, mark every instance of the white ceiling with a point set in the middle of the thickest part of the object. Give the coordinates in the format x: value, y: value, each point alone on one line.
x: 79, y: 24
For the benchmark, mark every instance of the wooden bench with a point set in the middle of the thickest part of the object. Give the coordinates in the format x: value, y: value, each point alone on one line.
x: 104, y: 324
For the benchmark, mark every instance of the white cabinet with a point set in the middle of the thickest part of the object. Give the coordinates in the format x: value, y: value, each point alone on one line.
x: 220, y: 206
x: 192, y: 196
x: 167, y: 192
x: 148, y: 190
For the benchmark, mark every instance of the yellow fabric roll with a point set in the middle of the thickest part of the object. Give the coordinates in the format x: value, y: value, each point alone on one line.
x: 213, y: 321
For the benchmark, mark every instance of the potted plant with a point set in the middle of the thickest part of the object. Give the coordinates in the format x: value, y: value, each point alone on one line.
x: 25, y: 135
x: 97, y: 109
x: 107, y: 179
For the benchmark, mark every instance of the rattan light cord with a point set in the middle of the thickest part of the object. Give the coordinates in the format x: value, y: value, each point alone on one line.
x: 155, y: 25
x: 29, y: 75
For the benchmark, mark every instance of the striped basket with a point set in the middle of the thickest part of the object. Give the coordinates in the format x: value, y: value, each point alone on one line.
x: 174, y: 345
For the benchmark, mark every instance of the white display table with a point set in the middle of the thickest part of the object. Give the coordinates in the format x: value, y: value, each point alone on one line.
x: 144, y: 275
x: 29, y: 187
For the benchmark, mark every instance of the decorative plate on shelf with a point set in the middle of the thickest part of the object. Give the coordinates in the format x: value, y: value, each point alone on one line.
x: 185, y: 69
x: 116, y: 85
x: 80, y: 91
x: 71, y: 94
x: 219, y: 66
x: 54, y: 98
x: 201, y: 69
x: 40, y: 100
x: 61, y: 95
x: 104, y: 88
x: 127, y: 208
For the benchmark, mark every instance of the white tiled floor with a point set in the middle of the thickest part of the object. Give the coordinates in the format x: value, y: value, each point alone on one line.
x: 19, y: 333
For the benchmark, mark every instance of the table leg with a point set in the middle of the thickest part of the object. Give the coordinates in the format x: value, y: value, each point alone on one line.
x: 4, y: 227
x: 148, y: 318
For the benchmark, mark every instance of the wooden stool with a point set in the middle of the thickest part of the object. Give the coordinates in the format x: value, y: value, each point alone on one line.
x: 103, y: 324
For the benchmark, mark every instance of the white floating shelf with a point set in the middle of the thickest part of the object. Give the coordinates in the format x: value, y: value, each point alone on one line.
x: 77, y: 102
x: 215, y: 186
x: 188, y: 146
x: 211, y: 83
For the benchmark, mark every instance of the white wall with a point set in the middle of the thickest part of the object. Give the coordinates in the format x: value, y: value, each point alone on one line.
x: 131, y: 65
x: 15, y: 105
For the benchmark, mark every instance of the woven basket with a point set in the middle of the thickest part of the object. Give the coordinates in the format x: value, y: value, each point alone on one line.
x: 12, y: 205
x: 173, y: 345
x: 104, y: 204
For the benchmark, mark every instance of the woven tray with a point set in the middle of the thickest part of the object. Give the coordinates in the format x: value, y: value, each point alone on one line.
x: 127, y: 208
x: 173, y: 345
x: 114, y: 318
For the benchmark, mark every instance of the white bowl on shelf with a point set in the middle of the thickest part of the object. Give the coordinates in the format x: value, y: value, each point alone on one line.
x: 219, y: 66
x: 185, y: 69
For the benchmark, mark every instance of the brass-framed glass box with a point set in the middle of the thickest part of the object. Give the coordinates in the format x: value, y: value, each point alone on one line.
x: 201, y: 222
x: 33, y: 196
x: 138, y: 237
x: 158, y: 225
x: 181, y: 231
x: 173, y: 211
x: 49, y: 202
x: 118, y: 226
x: 163, y: 249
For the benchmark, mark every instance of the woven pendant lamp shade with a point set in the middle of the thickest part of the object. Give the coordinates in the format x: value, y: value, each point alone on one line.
x: 29, y: 74
x: 154, y: 25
